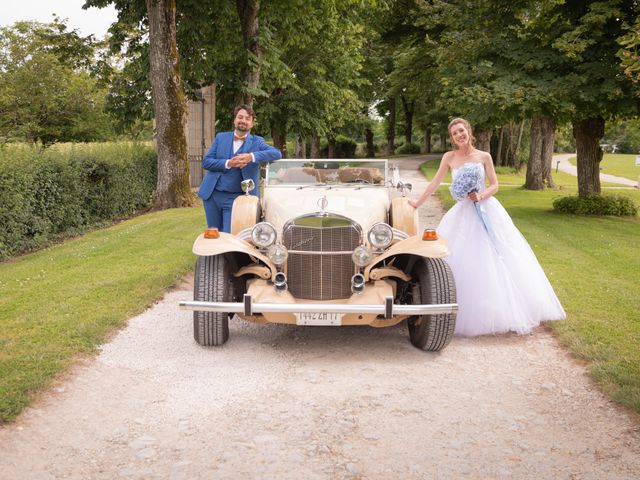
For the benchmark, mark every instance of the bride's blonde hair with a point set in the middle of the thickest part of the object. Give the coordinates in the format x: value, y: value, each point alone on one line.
x: 466, y: 125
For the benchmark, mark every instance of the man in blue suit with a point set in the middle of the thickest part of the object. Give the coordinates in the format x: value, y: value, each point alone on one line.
x: 233, y: 157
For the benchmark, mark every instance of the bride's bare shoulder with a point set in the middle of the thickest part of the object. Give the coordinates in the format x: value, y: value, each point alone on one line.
x: 485, y: 156
x: 446, y: 158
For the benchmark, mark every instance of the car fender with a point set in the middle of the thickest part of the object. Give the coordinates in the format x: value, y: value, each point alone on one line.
x: 403, y: 216
x: 412, y: 246
x: 227, y: 243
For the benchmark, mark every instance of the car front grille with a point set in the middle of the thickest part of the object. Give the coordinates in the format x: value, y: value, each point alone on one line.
x: 319, y: 266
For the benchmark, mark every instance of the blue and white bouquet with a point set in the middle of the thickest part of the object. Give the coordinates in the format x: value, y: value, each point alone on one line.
x: 469, y: 178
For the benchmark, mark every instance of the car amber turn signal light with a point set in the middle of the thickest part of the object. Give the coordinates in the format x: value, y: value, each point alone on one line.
x: 429, y: 234
x: 211, y: 233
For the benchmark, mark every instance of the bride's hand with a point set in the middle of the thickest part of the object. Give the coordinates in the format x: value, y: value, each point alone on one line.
x: 475, y: 196
x: 413, y: 203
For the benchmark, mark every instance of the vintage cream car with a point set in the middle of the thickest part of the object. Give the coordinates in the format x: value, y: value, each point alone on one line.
x: 334, y: 242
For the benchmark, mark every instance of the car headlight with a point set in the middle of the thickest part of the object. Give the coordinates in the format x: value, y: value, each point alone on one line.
x: 277, y: 253
x: 380, y: 235
x: 263, y: 234
x: 361, y: 256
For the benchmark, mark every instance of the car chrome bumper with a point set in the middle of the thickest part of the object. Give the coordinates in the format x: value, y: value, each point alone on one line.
x: 388, y: 309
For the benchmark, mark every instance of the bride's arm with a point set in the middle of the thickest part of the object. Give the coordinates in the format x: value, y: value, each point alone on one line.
x: 490, y: 170
x: 434, y: 183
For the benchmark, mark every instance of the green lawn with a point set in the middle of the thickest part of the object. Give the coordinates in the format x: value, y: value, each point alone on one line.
x: 593, y: 264
x: 620, y: 165
x: 63, y: 301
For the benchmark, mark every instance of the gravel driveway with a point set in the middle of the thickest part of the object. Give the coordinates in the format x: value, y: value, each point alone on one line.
x: 317, y: 402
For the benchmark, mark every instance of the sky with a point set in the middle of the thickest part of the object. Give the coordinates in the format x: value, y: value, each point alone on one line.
x: 94, y: 21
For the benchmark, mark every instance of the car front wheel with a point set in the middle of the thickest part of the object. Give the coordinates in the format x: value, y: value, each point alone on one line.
x: 432, y: 284
x: 212, y: 283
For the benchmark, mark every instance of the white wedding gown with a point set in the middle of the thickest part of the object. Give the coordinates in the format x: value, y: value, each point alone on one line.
x: 499, y: 289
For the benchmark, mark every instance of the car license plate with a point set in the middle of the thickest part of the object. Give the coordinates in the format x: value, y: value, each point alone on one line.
x: 319, y: 319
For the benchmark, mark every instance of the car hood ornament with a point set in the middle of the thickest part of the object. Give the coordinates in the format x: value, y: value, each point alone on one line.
x: 322, y: 203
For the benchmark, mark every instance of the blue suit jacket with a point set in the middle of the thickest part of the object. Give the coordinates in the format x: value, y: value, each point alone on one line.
x: 222, y: 150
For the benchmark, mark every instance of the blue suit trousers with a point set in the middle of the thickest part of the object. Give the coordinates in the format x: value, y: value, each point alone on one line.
x: 217, y: 209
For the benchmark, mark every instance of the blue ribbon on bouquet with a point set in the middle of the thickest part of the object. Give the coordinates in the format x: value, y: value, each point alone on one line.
x: 484, y: 218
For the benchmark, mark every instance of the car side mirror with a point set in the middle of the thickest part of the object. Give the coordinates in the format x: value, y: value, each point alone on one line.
x: 404, y: 187
x: 247, y: 185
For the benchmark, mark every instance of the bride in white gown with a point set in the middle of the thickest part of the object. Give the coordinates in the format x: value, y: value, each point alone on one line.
x: 500, y: 285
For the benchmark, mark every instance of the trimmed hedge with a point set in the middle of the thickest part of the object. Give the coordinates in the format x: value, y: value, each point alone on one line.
x: 617, y: 205
x: 64, y: 188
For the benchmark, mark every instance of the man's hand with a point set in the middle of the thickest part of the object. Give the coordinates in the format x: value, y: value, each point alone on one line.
x: 240, y: 160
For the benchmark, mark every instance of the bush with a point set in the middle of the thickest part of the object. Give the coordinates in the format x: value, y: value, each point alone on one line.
x: 408, y: 148
x: 617, y: 205
x: 345, y: 148
x: 44, y: 192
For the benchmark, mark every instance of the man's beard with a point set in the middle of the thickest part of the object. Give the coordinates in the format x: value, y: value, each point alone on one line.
x: 242, y: 128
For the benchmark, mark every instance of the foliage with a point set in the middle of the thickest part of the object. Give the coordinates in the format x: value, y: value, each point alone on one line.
x: 587, y: 36
x: 617, y: 205
x: 624, y: 134
x: 310, y: 65
x: 565, y: 142
x: 46, y: 192
x: 64, y: 301
x: 629, y: 53
x: 48, y: 89
x: 345, y: 147
x: 411, y: 148
x: 311, y: 79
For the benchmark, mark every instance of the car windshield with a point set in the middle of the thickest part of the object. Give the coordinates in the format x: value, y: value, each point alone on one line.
x: 327, y: 172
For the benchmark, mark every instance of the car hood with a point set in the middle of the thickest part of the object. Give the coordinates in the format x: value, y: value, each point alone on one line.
x: 365, y: 205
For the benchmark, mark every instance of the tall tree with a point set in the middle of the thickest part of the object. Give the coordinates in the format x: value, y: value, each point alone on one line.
x: 248, y: 13
x: 588, y: 36
x: 312, y: 79
x: 48, y: 89
x: 172, y: 189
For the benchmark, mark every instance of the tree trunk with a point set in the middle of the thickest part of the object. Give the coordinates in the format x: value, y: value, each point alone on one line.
x: 279, y: 140
x: 427, y: 140
x: 588, y: 133
x: 498, y: 160
x: 248, y: 13
x: 409, y: 109
x: 371, y: 148
x: 301, y: 146
x: 508, y: 152
x: 332, y: 148
x: 170, y: 107
x: 548, y: 144
x: 516, y: 157
x: 443, y: 142
x: 391, y: 127
x: 483, y: 139
x: 315, y: 146
x: 535, y: 179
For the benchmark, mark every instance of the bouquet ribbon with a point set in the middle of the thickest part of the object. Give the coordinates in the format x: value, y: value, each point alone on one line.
x: 484, y: 218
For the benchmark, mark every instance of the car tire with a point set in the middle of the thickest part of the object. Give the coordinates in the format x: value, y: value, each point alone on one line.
x: 212, y: 283
x: 433, y: 283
